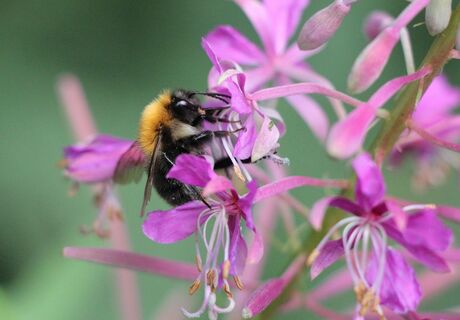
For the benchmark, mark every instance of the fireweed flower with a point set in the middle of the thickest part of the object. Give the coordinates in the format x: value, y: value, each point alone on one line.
x: 435, y: 113
x: 225, y: 241
x: 275, y: 22
x: 372, y: 60
x: 380, y: 274
x: 260, y: 136
x: 96, y: 160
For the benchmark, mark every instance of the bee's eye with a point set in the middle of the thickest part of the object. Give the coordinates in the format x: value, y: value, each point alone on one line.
x: 181, y: 103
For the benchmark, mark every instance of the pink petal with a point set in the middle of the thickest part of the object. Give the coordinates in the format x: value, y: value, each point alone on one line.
x: 217, y: 184
x: 257, y: 77
x: 400, y: 290
x: 284, y: 17
x: 260, y: 20
x: 193, y: 170
x: 266, y: 141
x: 134, y: 261
x: 440, y: 94
x: 330, y: 253
x: 229, y: 44
x: 370, y: 187
x: 398, y: 214
x: 95, y: 161
x: 245, y: 142
x: 347, y: 136
x: 256, y: 250
x: 175, y: 224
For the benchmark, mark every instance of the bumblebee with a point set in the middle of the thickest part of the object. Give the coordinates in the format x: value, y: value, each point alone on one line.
x: 172, y: 125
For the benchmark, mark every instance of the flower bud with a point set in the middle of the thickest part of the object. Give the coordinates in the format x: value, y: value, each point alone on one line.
x: 437, y: 15
x: 322, y: 25
x: 370, y: 63
x: 375, y: 23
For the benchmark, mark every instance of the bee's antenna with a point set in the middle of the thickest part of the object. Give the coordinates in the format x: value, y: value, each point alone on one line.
x: 219, y: 96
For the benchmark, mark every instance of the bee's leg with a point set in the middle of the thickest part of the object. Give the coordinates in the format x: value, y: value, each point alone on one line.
x: 225, y: 163
x: 204, y: 137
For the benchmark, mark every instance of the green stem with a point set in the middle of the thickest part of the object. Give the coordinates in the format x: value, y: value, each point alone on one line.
x: 436, y: 58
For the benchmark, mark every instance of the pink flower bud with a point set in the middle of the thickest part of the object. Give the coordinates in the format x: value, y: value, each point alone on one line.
x: 437, y: 15
x: 375, y: 23
x: 322, y: 25
x: 370, y: 63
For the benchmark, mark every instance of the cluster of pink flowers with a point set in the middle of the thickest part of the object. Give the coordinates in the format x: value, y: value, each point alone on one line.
x: 254, y: 78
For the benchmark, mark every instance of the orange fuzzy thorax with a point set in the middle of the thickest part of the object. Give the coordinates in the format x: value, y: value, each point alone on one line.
x: 154, y: 115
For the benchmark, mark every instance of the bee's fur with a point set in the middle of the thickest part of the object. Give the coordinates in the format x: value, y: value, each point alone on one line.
x: 172, y: 125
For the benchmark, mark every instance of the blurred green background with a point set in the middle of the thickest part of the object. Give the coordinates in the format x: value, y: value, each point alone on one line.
x: 125, y: 53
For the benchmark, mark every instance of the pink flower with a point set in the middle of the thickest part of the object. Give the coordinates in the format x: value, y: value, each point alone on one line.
x: 224, y: 240
x: 435, y: 113
x: 275, y: 22
x: 380, y: 274
x: 96, y: 160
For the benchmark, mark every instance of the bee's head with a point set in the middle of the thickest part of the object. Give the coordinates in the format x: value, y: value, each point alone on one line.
x: 186, y: 107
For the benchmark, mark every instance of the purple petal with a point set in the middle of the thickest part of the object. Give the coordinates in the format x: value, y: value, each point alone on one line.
x: 400, y: 290
x: 266, y: 141
x: 370, y: 187
x: 424, y: 228
x: 238, y: 248
x: 134, y: 261
x: 329, y: 254
x: 284, y: 17
x: 420, y: 251
x: 191, y: 169
x: 245, y: 142
x: 257, y: 77
x: 95, y: 161
x: 320, y: 207
x: 175, y: 224
x: 347, y: 136
x: 229, y: 44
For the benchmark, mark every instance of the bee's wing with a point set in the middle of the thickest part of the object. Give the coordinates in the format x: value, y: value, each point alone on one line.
x: 130, y: 166
x: 151, y: 165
